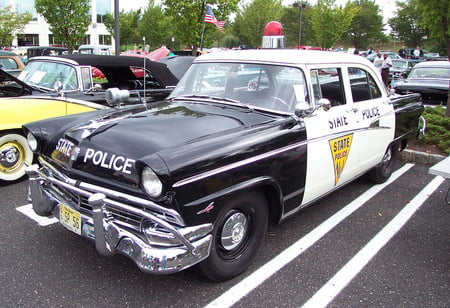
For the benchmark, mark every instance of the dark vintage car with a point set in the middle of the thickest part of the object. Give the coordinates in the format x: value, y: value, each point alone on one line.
x: 87, y: 77
x: 399, y: 70
x: 431, y: 79
x: 247, y: 137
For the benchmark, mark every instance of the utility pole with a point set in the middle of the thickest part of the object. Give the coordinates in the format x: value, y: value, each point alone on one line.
x: 116, y: 27
x: 301, y: 6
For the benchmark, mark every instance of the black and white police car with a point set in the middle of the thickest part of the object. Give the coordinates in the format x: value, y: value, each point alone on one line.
x: 246, y: 138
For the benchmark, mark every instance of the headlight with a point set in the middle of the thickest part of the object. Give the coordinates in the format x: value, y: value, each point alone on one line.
x: 151, y: 183
x: 32, y: 142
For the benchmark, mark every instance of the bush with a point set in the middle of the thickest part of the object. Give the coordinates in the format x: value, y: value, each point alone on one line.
x: 438, y: 128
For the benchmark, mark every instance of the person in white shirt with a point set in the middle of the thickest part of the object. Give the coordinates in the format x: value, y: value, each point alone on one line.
x: 377, y: 61
x: 385, y: 65
x: 417, y: 52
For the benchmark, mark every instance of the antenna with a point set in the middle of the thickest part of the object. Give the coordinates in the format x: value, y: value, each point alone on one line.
x: 145, y: 71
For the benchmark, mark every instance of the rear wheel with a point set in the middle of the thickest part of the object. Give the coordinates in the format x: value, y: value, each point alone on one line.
x: 15, y: 155
x: 238, y: 234
x: 383, y: 170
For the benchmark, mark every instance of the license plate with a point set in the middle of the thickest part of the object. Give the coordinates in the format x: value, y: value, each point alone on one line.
x: 69, y: 218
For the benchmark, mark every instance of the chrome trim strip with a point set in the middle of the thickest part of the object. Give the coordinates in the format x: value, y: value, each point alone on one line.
x: 259, y: 157
x: 238, y: 164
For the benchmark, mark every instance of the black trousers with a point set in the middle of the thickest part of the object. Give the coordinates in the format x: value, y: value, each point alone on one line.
x: 385, y: 75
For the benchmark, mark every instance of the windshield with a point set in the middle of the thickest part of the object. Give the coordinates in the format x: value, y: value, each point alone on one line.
x: 45, y: 74
x: 399, y: 64
x: 430, y: 72
x: 273, y: 87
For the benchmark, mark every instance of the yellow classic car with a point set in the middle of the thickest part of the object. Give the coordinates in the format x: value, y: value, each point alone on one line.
x: 14, y: 112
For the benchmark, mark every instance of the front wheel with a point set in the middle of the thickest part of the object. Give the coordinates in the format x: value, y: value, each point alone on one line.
x: 238, y: 234
x: 15, y: 155
x: 383, y: 170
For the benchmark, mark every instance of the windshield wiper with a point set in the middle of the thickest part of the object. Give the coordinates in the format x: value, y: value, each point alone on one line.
x: 215, y: 98
x: 40, y: 88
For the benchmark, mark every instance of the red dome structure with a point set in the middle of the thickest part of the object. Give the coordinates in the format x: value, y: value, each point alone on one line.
x: 273, y: 28
x: 273, y: 35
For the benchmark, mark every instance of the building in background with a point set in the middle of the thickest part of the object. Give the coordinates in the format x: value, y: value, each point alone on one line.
x: 37, y: 32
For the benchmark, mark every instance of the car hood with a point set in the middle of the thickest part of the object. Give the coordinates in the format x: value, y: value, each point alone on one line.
x: 11, y: 86
x: 117, y: 146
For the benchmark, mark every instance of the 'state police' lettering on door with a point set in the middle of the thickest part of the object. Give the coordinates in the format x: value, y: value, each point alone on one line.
x: 340, y: 147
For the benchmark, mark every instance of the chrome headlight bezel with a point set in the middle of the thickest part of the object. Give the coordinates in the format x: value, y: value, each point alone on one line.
x: 151, y: 183
x: 32, y: 142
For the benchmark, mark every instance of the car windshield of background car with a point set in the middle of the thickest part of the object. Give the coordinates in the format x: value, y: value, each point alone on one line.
x: 427, y: 72
x: 45, y: 74
x: 272, y: 87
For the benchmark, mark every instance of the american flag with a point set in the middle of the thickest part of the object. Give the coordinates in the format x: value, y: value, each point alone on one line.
x: 210, y: 18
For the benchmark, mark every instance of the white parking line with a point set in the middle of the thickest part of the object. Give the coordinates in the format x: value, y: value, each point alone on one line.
x: 340, y: 280
x: 238, y: 291
x: 27, y: 210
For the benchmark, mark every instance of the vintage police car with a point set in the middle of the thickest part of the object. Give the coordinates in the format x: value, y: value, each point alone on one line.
x: 247, y: 137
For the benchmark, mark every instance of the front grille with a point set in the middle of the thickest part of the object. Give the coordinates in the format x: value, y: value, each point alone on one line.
x: 128, y: 210
x: 81, y: 203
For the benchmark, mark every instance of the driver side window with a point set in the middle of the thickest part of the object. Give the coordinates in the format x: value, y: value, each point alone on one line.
x: 327, y: 83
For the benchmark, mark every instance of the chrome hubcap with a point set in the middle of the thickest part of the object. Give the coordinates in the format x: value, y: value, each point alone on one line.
x: 9, y: 156
x: 234, y: 231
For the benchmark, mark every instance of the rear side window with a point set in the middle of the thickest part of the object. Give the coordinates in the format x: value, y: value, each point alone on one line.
x: 363, y: 85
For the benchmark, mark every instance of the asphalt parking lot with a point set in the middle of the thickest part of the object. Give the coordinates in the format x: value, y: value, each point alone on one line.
x: 361, y: 246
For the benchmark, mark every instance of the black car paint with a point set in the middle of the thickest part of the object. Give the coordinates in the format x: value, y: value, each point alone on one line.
x: 213, y: 137
x: 211, y: 152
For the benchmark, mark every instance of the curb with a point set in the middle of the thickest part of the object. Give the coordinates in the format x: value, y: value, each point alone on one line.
x: 420, y: 157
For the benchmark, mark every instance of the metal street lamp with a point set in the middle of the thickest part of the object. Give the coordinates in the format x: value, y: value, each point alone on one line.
x: 301, y: 6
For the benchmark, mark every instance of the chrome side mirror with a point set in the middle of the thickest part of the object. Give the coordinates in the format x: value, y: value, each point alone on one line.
x: 324, y: 103
x: 58, y: 87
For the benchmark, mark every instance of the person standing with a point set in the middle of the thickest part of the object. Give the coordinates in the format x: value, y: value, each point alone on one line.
x: 378, y: 61
x: 385, y: 65
x: 417, y: 52
x: 402, y: 52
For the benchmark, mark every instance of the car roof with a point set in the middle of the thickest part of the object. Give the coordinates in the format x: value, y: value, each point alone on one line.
x: 284, y: 56
x: 109, y: 63
x: 7, y: 53
x: 441, y: 64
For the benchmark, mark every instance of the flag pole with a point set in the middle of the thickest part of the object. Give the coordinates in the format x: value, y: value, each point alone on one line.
x: 203, y: 32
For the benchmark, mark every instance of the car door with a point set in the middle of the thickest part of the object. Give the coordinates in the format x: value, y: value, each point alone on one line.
x: 331, y: 159
x: 374, y: 114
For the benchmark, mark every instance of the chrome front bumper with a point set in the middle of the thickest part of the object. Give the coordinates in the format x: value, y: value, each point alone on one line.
x: 111, y: 237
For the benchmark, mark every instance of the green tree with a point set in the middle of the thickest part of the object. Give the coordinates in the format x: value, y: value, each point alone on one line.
x: 68, y: 19
x: 435, y: 17
x: 252, y: 18
x: 330, y: 22
x: 290, y: 21
x: 406, y: 24
x: 367, y: 25
x: 11, y: 22
x: 155, y: 26
x: 188, y: 16
x: 128, y: 23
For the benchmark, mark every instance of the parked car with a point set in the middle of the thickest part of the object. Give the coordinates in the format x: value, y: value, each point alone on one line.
x: 399, y: 70
x: 95, y: 50
x: 33, y: 98
x: 10, y: 62
x: 34, y: 51
x: 391, y: 55
x: 87, y: 77
x: 431, y: 79
x: 424, y: 54
x: 246, y: 137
